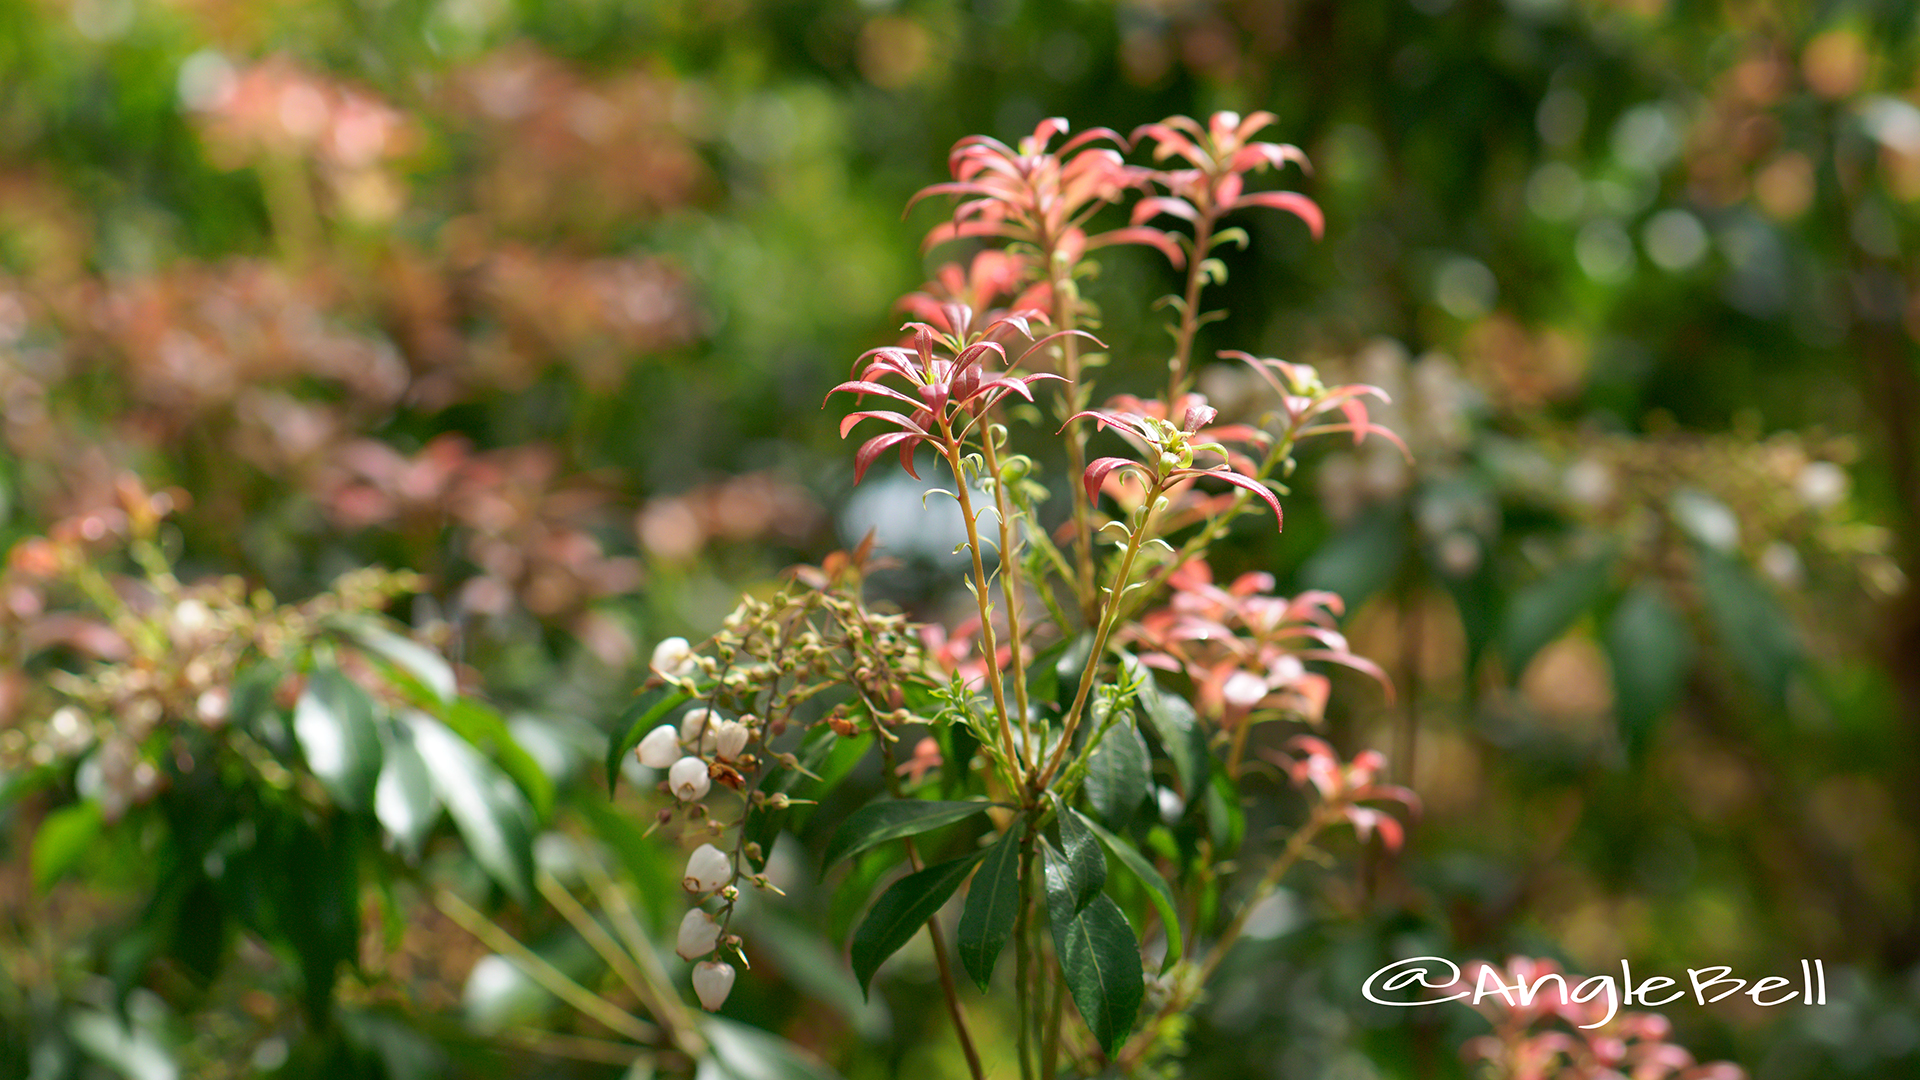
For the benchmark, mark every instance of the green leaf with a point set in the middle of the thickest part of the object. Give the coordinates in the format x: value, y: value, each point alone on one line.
x: 1070, y: 668
x: 901, y: 911
x: 993, y: 907
x: 890, y: 819
x: 428, y: 667
x: 1757, y: 633
x: 404, y: 800
x: 748, y: 1053
x: 1175, y: 726
x: 334, y: 724
x: 1545, y: 609
x: 1158, y: 891
x: 1119, y: 773
x: 1076, y: 870
x: 1100, y: 960
x: 491, y: 814
x: 639, y: 718
x: 1651, y: 650
x: 477, y: 723
x: 64, y: 837
x: 1226, y: 821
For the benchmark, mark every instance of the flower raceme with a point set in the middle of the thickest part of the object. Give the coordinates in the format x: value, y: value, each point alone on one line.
x: 1169, y: 452
x: 950, y: 386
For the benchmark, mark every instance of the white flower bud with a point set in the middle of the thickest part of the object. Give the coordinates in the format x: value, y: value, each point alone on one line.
x: 707, y: 869
x: 712, y: 981
x: 673, y: 659
x: 660, y: 748
x: 730, y: 738
x: 696, y: 729
x: 699, y: 933
x: 688, y: 779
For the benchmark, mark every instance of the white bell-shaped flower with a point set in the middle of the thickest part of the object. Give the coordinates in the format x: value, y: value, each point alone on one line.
x: 730, y: 738
x: 697, y: 729
x: 660, y: 748
x: 712, y: 981
x: 688, y: 779
x: 707, y: 869
x: 673, y: 659
x: 699, y: 933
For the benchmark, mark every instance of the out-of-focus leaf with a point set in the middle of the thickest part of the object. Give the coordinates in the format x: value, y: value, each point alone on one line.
x: 404, y: 800
x: 1225, y: 818
x: 1076, y: 870
x: 64, y: 836
x: 316, y: 901
x: 1651, y: 651
x: 1751, y: 624
x: 642, y: 716
x: 1360, y: 559
x: 748, y: 1053
x: 1158, y: 891
x: 890, y: 819
x: 901, y: 911
x: 1545, y: 609
x: 338, y: 737
x: 813, y: 966
x: 1069, y: 668
x: 1119, y: 773
x: 993, y: 907
x: 1100, y: 960
x: 488, y: 732
x: 492, y: 816
x: 423, y: 664
x: 136, y: 1052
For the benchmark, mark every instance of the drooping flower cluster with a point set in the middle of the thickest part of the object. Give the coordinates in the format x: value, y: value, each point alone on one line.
x: 1586, y: 1043
x: 741, y: 690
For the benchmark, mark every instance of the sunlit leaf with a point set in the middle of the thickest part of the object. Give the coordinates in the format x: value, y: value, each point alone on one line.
x: 901, y: 911
x: 334, y: 723
x: 890, y: 819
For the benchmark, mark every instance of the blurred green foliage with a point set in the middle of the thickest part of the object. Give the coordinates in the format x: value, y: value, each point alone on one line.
x: 539, y: 300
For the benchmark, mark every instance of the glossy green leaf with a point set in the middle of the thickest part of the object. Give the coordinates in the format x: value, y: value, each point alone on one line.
x: 1175, y: 726
x: 901, y: 911
x: 645, y: 714
x: 64, y: 836
x: 404, y: 800
x: 1650, y: 650
x: 993, y: 907
x: 1076, y: 870
x: 480, y: 725
x: 334, y: 723
x: 491, y: 814
x: 1158, y: 891
x: 1100, y: 960
x: 890, y: 819
x: 1119, y: 772
x: 1544, y: 610
x: 423, y: 664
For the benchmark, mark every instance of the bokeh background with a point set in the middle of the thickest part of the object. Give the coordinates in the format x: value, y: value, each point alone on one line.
x: 540, y: 299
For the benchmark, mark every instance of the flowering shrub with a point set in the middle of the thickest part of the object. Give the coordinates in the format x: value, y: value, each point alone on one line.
x: 1043, y: 718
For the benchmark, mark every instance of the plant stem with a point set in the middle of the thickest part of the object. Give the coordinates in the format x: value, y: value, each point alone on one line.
x: 1190, y: 316
x: 989, y: 647
x: 940, y: 958
x: 1023, y: 958
x: 1009, y: 585
x: 1063, y: 319
x: 1108, y: 617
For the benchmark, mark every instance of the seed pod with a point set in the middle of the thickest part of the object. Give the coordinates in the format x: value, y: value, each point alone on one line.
x: 660, y: 748
x: 708, y: 868
x: 712, y: 982
x: 688, y: 779
x: 699, y: 933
